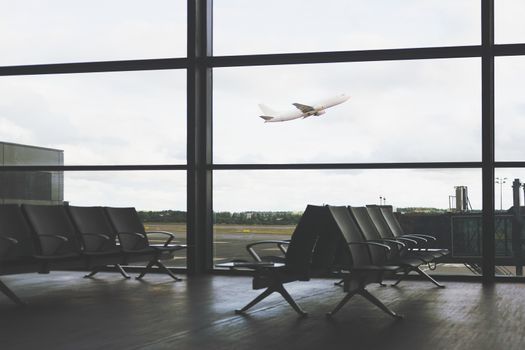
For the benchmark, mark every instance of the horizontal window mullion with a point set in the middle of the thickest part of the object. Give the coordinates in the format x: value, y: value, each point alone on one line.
x: 94, y: 67
x: 512, y: 164
x: 346, y: 56
x: 332, y: 166
x: 90, y: 167
x: 509, y: 50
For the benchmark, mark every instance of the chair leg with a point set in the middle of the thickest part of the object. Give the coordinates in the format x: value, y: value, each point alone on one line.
x: 166, y: 270
x: 422, y: 273
x: 402, y: 277
x: 122, y: 272
x: 161, y: 266
x: 345, y: 300
x: 93, y: 272
x: 257, y: 299
x: 427, y: 276
x: 10, y: 294
x: 147, y: 269
x: 276, y: 288
x: 281, y: 290
x: 366, y: 294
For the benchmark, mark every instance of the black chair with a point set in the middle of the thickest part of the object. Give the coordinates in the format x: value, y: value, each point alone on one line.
x: 367, y: 261
x: 397, y: 231
x: 98, y: 235
x: 58, y: 236
x: 371, y: 234
x: 307, y: 254
x: 413, y: 245
x: 134, y: 238
x: 17, y: 250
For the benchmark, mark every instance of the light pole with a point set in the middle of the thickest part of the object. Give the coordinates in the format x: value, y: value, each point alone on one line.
x: 501, y: 181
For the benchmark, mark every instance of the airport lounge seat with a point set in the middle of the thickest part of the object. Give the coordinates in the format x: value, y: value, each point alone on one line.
x: 367, y: 261
x: 24, y: 252
x: 307, y: 254
x: 398, y: 231
x: 85, y: 251
x: 16, y: 248
x: 94, y: 226
x: 412, y: 246
x: 134, y: 239
x: 371, y: 234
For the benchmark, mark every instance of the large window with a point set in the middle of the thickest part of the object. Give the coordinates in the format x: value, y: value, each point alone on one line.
x: 98, y: 118
x: 509, y: 21
x: 273, y: 26
x: 131, y: 103
x: 404, y: 111
x: 59, y: 31
x: 260, y: 205
x: 158, y: 196
x: 510, y: 108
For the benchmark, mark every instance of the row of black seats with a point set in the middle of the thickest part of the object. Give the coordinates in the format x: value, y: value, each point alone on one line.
x: 39, y: 238
x: 363, y: 244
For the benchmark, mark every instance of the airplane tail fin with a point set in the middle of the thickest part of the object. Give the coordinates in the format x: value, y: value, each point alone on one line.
x: 267, y: 110
x: 266, y: 118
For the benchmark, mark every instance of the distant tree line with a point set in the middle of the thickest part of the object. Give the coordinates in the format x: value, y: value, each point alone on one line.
x: 226, y: 217
x: 163, y: 216
x: 421, y: 210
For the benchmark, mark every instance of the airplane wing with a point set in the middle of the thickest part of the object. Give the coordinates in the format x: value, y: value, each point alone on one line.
x: 303, y: 108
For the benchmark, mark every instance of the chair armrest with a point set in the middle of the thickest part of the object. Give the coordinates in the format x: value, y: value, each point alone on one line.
x: 400, y: 244
x: 170, y: 235
x: 416, y: 237
x: 58, y: 239
x: 385, y: 246
x: 97, y: 237
x: 256, y: 257
x: 139, y: 238
x: 430, y: 237
x: 410, y: 240
x: 7, y: 243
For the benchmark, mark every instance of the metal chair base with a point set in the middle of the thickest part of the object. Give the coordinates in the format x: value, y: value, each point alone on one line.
x: 279, y: 288
x: 118, y: 267
x: 10, y: 294
x: 161, y: 266
x: 366, y: 294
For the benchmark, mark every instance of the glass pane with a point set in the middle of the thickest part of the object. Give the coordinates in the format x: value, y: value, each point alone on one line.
x: 509, y: 211
x: 509, y: 108
x: 32, y: 187
x: 410, y: 111
x: 509, y: 16
x: 99, y: 118
x: 158, y: 196
x: 430, y: 201
x: 273, y: 26
x: 58, y: 31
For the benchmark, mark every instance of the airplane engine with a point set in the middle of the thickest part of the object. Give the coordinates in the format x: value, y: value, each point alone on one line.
x: 320, y: 112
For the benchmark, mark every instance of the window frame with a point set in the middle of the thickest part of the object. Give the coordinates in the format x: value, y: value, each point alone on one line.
x: 199, y: 167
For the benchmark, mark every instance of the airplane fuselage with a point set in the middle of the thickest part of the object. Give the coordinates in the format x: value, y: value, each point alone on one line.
x: 304, y: 111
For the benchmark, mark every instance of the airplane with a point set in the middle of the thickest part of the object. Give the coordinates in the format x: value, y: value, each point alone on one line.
x: 303, y: 111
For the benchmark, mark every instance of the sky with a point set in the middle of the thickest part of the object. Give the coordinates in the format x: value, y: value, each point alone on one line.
x: 410, y: 111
